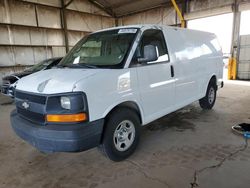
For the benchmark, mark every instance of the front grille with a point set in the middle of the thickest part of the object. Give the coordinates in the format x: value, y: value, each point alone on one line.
x: 31, y: 97
x: 35, y: 111
x: 32, y: 116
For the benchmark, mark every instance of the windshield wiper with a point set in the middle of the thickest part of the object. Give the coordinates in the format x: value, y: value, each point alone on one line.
x: 59, y: 66
x: 81, y: 65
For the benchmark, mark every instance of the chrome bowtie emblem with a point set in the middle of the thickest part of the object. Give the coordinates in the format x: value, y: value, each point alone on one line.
x: 25, y: 105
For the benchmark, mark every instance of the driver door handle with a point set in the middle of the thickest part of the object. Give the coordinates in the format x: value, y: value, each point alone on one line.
x: 172, y: 70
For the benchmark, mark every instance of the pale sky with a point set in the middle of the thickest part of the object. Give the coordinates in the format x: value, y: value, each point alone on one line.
x: 221, y: 25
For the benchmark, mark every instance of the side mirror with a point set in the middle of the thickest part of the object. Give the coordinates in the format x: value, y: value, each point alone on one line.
x: 150, y: 54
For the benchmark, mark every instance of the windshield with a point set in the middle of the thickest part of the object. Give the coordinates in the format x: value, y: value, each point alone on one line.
x: 40, y: 66
x: 103, y: 49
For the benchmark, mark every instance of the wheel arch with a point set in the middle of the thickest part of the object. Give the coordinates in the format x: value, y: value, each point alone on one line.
x: 125, y: 104
x: 132, y: 105
x: 213, y: 79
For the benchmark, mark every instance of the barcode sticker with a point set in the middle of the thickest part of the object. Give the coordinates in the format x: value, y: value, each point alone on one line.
x: 127, y: 30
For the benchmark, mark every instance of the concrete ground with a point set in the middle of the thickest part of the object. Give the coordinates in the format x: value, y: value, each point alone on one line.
x: 188, y: 148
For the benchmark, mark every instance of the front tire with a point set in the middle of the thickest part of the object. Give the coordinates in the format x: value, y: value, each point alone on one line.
x: 121, y: 135
x: 208, y: 101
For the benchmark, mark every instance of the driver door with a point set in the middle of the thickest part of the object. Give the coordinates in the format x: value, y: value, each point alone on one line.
x: 156, y: 80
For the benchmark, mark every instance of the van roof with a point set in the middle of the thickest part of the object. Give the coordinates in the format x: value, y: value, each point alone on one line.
x: 133, y: 26
x: 139, y: 26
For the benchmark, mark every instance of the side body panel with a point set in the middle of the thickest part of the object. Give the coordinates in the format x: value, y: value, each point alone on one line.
x: 157, y: 90
x: 196, y: 58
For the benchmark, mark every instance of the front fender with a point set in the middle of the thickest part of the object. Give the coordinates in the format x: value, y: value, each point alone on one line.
x: 117, y: 103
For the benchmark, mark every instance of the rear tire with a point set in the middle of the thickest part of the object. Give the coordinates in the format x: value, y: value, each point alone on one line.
x: 208, y: 101
x: 121, y: 135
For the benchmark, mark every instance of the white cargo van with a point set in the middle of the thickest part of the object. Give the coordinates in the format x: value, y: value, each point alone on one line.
x: 113, y: 82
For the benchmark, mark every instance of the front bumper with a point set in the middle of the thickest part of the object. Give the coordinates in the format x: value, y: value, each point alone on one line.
x: 220, y: 83
x: 58, y: 138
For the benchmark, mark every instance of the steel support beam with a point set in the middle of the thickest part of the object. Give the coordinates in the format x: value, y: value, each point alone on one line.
x: 67, y: 4
x: 236, y: 28
x: 185, y: 9
x: 64, y: 25
x: 233, y: 61
x: 178, y: 13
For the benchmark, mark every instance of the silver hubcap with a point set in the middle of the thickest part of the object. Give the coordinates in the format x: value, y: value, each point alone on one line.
x: 124, y: 135
x: 211, y: 95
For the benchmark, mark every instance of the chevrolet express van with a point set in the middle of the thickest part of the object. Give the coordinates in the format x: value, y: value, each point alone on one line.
x: 113, y: 82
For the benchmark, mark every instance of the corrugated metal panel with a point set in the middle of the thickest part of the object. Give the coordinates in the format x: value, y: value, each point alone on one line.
x: 201, y: 5
x: 26, y: 40
x: 208, y: 12
x: 244, y: 6
x: 48, y: 17
x: 24, y: 56
x: 58, y: 51
x: 165, y: 16
x: 4, y: 35
x: 55, y: 38
x: 20, y: 55
x: 133, y: 19
x: 38, y: 36
x: 21, y: 13
x: 86, y: 6
x: 4, y: 18
x: 55, y: 3
x: 153, y: 16
x: 21, y: 36
x: 18, y: 35
x: 169, y: 16
x: 107, y: 22
x: 244, y: 53
x: 7, y: 56
x: 74, y: 37
x: 245, y: 40
x: 125, y: 7
x: 243, y: 70
x: 86, y: 22
x: 135, y: 6
x: 41, y: 53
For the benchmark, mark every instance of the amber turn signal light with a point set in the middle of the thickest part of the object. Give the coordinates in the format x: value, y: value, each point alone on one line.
x: 66, y: 117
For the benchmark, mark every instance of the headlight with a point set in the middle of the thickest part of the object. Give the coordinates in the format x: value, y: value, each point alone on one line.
x: 65, y: 103
x: 74, y: 103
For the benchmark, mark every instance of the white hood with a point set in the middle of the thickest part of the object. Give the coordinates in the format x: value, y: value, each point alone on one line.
x: 54, y: 80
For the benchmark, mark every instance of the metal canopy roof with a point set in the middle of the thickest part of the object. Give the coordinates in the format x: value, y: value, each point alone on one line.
x: 118, y: 8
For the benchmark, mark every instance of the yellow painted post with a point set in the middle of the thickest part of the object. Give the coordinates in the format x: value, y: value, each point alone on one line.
x: 178, y: 13
x: 232, y: 69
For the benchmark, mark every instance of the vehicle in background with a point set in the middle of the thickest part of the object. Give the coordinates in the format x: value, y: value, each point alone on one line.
x: 9, y: 81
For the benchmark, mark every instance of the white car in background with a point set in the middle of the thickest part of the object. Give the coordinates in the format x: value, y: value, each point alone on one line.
x: 113, y: 82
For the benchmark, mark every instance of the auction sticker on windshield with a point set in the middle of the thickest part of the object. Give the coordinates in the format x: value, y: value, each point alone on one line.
x: 127, y: 30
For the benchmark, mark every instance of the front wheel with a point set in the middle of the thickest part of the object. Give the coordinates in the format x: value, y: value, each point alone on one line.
x: 208, y: 101
x: 121, y: 134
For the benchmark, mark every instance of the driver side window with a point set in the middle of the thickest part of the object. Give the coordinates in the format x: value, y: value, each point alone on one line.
x: 152, y: 37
